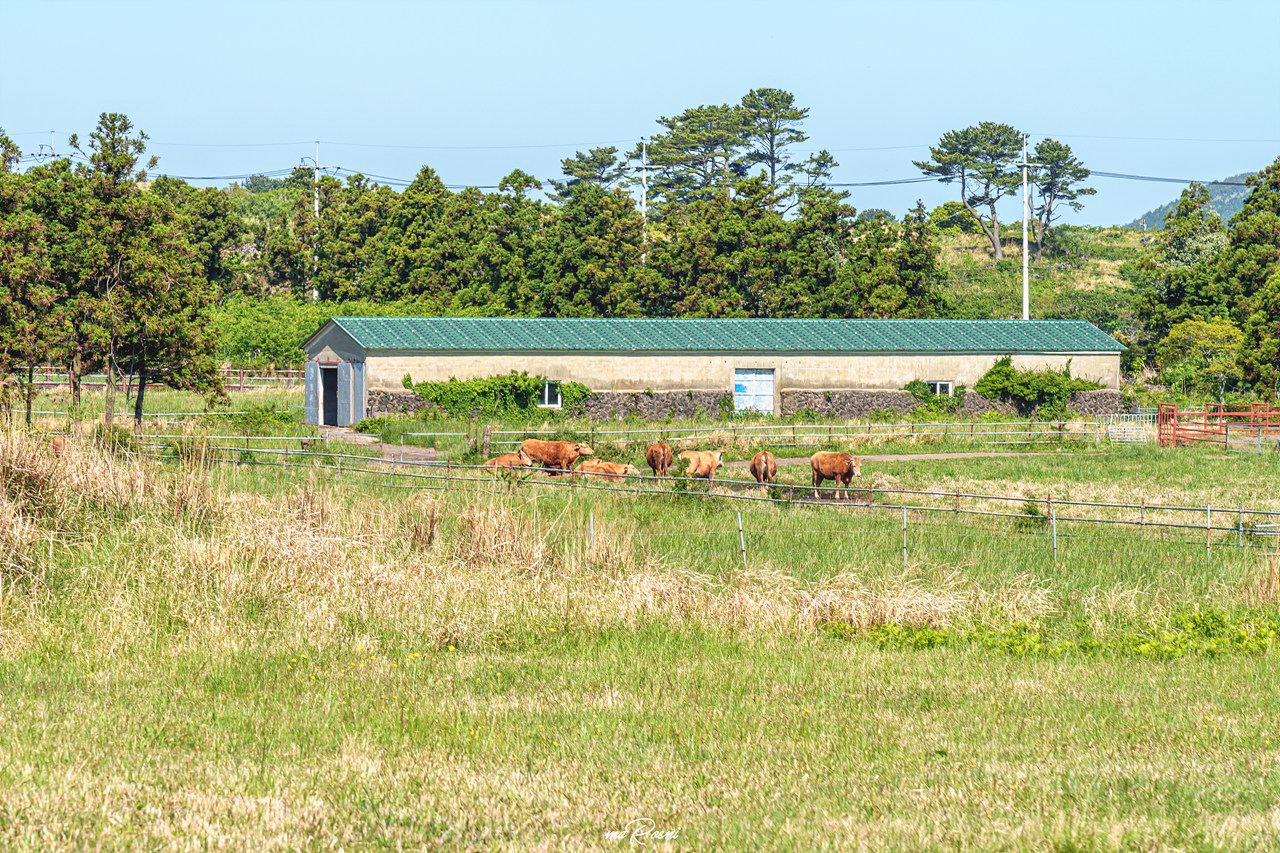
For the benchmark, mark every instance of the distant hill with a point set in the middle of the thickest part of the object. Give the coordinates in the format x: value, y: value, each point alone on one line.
x: 1226, y: 201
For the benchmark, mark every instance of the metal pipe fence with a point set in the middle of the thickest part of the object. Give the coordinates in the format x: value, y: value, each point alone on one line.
x: 816, y: 435
x: 1253, y: 530
x: 233, y: 378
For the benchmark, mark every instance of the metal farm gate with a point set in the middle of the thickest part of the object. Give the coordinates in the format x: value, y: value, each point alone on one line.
x: 1252, y: 428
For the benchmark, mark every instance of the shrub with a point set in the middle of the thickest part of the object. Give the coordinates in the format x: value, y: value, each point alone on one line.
x: 935, y: 404
x: 493, y: 396
x: 259, y: 419
x: 1046, y: 391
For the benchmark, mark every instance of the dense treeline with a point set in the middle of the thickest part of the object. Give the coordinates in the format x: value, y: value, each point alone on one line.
x: 102, y: 269
x: 1209, y: 293
x: 99, y: 275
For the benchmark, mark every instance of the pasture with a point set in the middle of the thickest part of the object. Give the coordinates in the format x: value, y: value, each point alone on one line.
x: 242, y: 656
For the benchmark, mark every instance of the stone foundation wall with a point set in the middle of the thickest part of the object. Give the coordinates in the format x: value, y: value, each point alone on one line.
x: 1103, y: 402
x: 846, y: 404
x: 381, y: 402
x: 616, y: 405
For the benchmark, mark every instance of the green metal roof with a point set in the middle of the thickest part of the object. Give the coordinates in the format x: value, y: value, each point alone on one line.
x: 507, y: 334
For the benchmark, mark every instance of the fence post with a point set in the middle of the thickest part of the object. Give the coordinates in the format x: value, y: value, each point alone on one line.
x: 391, y: 479
x: 957, y: 504
x: 1208, y: 515
x: 742, y: 542
x: 904, y: 534
x: 447, y: 464
x: 1142, y: 519
x: 1259, y: 439
x: 1053, y: 523
x: 484, y: 440
x: 339, y: 467
x: 1240, y: 527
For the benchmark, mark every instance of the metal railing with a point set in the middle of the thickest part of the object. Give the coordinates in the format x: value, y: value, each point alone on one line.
x: 1212, y: 527
x: 816, y: 435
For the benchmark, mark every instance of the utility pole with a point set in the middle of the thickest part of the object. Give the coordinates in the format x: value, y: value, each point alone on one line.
x: 53, y: 153
x: 315, y: 246
x: 644, y: 196
x: 1026, y: 204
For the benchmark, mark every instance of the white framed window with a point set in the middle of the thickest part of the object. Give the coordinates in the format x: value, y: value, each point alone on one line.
x: 941, y: 388
x: 550, y: 398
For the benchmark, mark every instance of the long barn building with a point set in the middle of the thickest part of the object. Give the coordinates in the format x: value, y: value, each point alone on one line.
x: 758, y: 360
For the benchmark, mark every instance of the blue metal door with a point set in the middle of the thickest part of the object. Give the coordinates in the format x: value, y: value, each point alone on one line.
x: 753, y: 389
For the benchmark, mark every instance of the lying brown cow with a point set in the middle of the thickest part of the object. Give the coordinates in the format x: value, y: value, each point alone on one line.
x: 841, y: 467
x: 703, y: 463
x: 61, y: 446
x: 659, y: 458
x: 764, y: 467
x: 556, y: 457
x: 609, y: 470
x: 519, y: 459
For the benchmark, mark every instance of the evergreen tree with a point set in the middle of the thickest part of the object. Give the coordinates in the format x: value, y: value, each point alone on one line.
x: 771, y: 120
x: 27, y: 288
x: 599, y: 168
x: 981, y: 158
x: 594, y: 249
x: 699, y: 156
x: 1055, y: 180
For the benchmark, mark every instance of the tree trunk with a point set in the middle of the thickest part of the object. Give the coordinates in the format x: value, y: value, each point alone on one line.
x: 995, y: 234
x: 75, y: 370
x: 31, y: 391
x: 137, y: 400
x: 109, y: 404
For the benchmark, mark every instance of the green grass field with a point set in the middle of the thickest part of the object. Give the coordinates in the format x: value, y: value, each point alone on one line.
x: 245, y: 657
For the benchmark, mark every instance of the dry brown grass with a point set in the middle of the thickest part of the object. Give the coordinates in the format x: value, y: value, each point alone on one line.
x: 457, y: 570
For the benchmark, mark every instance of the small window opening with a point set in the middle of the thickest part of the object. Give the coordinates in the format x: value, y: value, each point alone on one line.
x: 941, y: 389
x: 550, y: 396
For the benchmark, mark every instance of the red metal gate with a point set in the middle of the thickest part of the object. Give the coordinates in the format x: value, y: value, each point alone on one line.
x: 1257, y: 424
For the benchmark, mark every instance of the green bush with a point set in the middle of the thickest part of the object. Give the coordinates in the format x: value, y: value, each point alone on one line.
x: 1047, y: 391
x: 935, y: 404
x: 260, y: 420
x: 494, y: 396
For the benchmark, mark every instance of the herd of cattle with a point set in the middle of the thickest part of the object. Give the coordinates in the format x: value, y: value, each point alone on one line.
x: 569, y: 457
x: 560, y: 457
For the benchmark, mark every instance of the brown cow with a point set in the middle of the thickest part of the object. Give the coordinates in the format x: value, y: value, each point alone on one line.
x: 556, y: 457
x: 519, y: 459
x: 703, y: 463
x: 61, y: 446
x: 841, y: 467
x: 764, y: 467
x: 609, y: 470
x: 659, y: 458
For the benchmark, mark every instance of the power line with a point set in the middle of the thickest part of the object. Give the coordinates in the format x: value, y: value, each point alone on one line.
x: 1125, y: 177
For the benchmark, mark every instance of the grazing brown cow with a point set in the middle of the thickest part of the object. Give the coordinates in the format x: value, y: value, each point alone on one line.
x: 61, y: 447
x: 609, y: 470
x: 764, y: 467
x: 556, y: 457
x: 519, y: 459
x: 841, y: 467
x: 703, y: 463
x: 659, y: 458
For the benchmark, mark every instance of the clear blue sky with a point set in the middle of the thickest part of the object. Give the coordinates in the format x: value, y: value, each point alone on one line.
x: 476, y: 89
